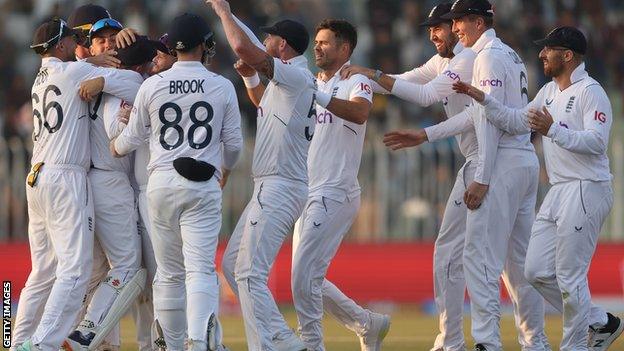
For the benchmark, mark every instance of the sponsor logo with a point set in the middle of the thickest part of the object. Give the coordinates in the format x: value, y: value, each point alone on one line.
x: 308, y: 135
x: 578, y: 229
x: 325, y: 117
x: 564, y: 125
x: 457, y: 203
x: 600, y: 117
x: 452, y: 75
x: 316, y: 225
x: 253, y: 223
x: 179, y: 45
x: 549, y: 102
x: 366, y: 88
x: 491, y: 82
x: 570, y: 104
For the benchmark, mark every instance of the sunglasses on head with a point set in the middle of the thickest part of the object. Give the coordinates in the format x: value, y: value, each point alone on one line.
x: 102, y: 24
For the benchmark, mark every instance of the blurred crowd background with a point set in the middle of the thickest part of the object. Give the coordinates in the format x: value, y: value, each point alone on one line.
x: 403, y: 193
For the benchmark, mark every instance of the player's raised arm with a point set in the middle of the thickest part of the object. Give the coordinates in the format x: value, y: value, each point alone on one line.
x: 240, y: 42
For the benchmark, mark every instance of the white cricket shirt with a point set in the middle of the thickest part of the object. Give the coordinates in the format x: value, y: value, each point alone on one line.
x: 285, y: 122
x: 336, y: 149
x: 576, y: 145
x: 61, y: 118
x: 186, y: 111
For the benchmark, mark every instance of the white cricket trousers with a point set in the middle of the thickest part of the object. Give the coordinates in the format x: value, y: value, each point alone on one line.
x: 318, y: 234
x: 116, y: 230
x: 143, y: 310
x: 60, y: 233
x: 562, y: 244
x: 448, y: 271
x: 497, y: 237
x: 185, y: 219
x: 267, y: 220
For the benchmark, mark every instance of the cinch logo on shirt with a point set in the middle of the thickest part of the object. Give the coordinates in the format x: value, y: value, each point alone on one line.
x: 491, y: 82
x: 186, y: 86
x: 563, y: 125
x: 452, y: 75
x: 325, y: 117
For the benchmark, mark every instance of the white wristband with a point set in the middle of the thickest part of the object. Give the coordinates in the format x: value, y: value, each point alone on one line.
x: 323, y: 99
x: 252, y: 82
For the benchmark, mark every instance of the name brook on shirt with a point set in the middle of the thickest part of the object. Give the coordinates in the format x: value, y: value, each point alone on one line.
x: 186, y: 86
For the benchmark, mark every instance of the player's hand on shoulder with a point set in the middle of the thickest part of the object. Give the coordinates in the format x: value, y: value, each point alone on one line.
x: 123, y: 115
x: 349, y: 70
x: 465, y: 88
x: 474, y: 195
x: 400, y: 139
x: 126, y: 37
x: 105, y: 59
x: 89, y: 89
x: 220, y: 7
x: 243, y: 69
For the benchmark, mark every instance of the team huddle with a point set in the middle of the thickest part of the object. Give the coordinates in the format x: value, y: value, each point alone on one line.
x: 135, y: 139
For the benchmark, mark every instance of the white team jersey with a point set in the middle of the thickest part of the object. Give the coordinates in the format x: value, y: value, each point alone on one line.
x: 498, y: 71
x: 336, y: 149
x: 186, y: 111
x: 105, y: 126
x: 285, y: 121
x: 433, y: 82
x: 61, y: 118
x: 141, y: 160
x: 576, y: 145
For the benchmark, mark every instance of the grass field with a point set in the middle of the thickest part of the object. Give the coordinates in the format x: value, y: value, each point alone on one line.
x: 410, y: 330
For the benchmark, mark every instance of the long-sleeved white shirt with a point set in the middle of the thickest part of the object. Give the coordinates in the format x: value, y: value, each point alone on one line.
x: 433, y: 82
x: 61, y: 118
x: 186, y: 111
x: 105, y: 126
x: 576, y: 145
x: 499, y: 71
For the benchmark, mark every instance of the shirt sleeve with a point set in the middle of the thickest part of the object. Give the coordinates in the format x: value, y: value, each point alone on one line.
x: 112, y: 125
x: 440, y: 87
x: 597, y: 120
x: 360, y: 86
x: 460, y: 123
x: 491, y: 73
x: 510, y: 120
x: 118, y: 82
x: 289, y: 75
x: 249, y: 33
x: 418, y: 75
x: 231, y: 136
x: 137, y: 131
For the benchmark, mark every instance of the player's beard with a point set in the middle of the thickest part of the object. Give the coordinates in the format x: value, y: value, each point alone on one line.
x: 553, y: 67
x: 449, y: 45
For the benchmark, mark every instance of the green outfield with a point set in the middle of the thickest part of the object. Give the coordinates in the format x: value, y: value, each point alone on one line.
x: 411, y: 330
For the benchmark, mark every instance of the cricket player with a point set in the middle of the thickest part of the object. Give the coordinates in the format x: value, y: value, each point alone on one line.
x: 574, y: 116
x: 59, y: 195
x: 342, y: 110
x: 286, y: 120
x: 188, y: 113
x: 81, y: 20
x: 425, y: 85
x: 115, y: 212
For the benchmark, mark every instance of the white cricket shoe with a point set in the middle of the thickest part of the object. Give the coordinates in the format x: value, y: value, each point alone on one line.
x: 602, y: 338
x: 376, y: 330
x: 291, y: 343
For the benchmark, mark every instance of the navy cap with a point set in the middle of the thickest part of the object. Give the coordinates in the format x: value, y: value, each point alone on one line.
x: 141, y: 51
x: 435, y: 16
x: 187, y: 31
x: 49, y: 34
x: 85, y: 16
x: 462, y: 8
x: 295, y: 34
x: 567, y: 37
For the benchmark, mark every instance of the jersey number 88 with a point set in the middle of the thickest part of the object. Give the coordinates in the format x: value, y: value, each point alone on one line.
x: 176, y: 126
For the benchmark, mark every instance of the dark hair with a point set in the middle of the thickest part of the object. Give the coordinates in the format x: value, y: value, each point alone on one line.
x: 342, y: 29
x: 488, y: 21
